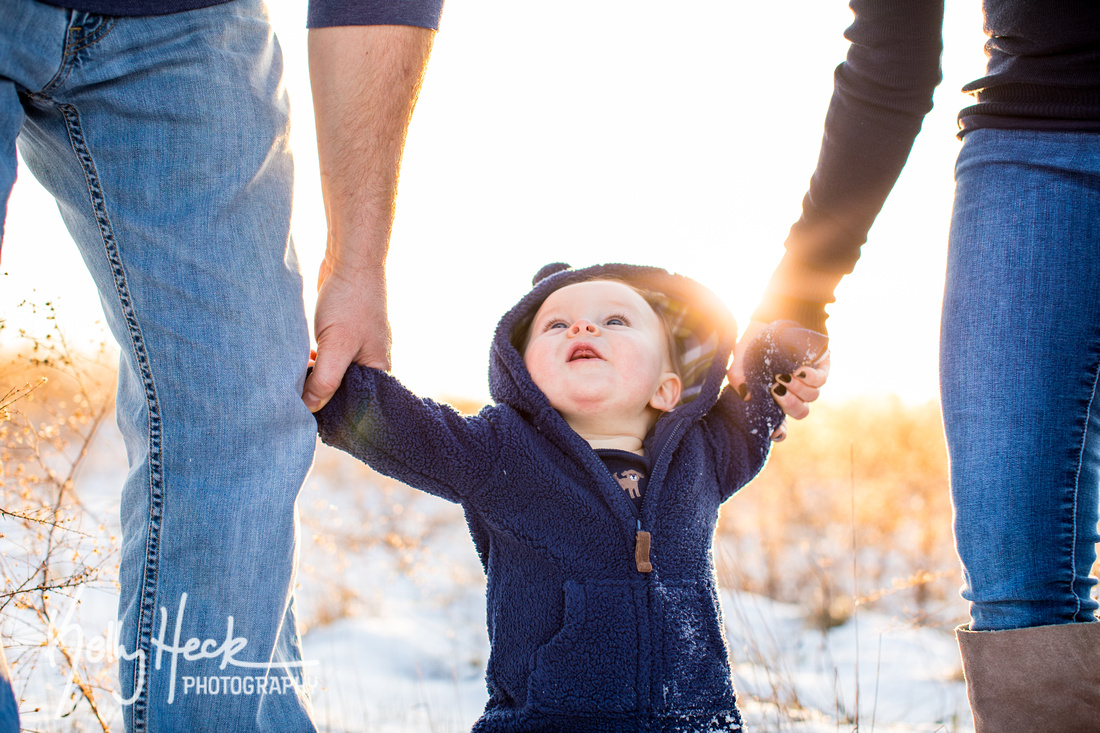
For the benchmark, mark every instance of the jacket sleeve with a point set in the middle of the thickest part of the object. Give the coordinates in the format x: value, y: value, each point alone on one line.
x: 419, y: 13
x: 425, y: 444
x: 880, y: 96
x: 739, y: 432
x: 738, y: 442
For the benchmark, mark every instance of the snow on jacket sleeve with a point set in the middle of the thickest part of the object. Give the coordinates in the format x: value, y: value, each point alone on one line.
x: 425, y: 444
x: 738, y: 432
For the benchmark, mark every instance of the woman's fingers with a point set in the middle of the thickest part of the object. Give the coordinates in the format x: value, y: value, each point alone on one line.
x: 791, y: 404
x: 817, y: 374
x: 794, y: 392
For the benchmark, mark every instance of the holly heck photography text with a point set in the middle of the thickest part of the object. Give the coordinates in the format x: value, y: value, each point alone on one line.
x: 264, y: 678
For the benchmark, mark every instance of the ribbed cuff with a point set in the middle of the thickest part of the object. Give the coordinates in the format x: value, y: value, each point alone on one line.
x: 805, y: 313
x: 419, y: 13
x: 798, y: 292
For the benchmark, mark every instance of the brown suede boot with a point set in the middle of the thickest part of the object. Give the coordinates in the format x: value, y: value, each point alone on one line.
x: 1044, y: 679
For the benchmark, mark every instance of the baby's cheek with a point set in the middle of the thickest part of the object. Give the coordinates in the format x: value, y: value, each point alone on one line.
x: 536, y: 373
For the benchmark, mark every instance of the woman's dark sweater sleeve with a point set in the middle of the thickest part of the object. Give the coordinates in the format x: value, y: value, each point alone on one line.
x: 420, y: 13
x: 880, y: 96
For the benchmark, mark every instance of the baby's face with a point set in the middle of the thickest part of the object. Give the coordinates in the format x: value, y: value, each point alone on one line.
x: 598, y: 348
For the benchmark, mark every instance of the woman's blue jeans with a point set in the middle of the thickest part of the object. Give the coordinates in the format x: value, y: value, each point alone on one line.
x: 1020, y: 360
x: 9, y: 711
x: 164, y: 141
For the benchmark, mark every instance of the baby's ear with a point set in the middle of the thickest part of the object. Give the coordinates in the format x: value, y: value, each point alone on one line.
x: 668, y: 391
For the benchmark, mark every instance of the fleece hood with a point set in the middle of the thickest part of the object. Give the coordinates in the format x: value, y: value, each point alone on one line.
x: 704, y: 332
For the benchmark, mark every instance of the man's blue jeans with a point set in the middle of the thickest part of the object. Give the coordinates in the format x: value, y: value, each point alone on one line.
x: 164, y: 141
x: 1020, y: 361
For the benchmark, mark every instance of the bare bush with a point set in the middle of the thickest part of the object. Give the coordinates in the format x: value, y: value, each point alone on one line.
x: 359, y: 526
x: 852, y: 509
x: 53, y: 402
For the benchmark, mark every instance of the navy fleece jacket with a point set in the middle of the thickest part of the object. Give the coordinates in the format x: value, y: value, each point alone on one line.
x: 581, y: 638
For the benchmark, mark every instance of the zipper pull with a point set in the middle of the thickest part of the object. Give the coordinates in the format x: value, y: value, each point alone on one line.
x: 641, y: 550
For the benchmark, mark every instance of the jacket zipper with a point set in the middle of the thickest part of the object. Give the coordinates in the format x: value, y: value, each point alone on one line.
x: 643, y: 541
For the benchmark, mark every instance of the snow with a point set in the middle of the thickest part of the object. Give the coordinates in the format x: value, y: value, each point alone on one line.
x: 392, y: 600
x: 874, y: 670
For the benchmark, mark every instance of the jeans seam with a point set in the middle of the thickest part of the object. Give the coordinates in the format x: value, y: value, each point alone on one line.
x: 99, y: 31
x: 82, y: 38
x: 1077, y: 490
x: 147, y: 605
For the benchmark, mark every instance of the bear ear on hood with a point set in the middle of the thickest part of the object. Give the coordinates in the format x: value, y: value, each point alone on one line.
x: 548, y: 270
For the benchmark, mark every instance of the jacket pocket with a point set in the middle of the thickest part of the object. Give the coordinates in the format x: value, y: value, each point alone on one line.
x: 695, y: 664
x: 590, y: 666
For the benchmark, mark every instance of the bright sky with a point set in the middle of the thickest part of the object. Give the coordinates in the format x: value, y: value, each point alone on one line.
x: 679, y: 135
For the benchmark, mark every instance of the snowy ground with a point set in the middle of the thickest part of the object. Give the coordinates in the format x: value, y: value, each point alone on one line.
x: 393, y: 602
x: 418, y: 668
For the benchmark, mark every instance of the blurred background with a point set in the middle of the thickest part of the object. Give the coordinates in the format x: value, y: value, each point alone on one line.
x: 594, y: 132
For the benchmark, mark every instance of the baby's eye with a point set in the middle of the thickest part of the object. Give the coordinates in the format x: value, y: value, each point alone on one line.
x: 615, y: 321
x: 555, y: 324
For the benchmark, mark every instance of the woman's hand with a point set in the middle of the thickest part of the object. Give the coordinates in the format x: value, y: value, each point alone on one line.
x: 792, y: 392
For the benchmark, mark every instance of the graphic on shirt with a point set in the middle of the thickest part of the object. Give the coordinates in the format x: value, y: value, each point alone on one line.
x: 630, y: 481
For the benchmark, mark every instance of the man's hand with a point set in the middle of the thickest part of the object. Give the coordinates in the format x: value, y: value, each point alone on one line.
x: 792, y: 392
x: 365, y: 83
x: 351, y: 326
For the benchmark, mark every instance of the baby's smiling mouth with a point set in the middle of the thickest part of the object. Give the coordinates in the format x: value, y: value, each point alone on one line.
x: 583, y: 352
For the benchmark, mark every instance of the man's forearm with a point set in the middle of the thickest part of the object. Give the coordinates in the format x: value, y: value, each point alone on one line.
x: 365, y: 83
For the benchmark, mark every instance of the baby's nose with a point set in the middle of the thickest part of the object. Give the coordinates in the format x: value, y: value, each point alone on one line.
x: 584, y: 326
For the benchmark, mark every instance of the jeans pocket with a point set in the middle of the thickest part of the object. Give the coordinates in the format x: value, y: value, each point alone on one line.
x: 590, y: 665
x: 696, y: 671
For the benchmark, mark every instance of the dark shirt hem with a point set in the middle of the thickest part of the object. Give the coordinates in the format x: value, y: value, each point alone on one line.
x: 968, y: 122
x: 322, y: 13
x: 134, y: 8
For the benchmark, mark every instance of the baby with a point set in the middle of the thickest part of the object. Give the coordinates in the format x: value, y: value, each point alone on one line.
x: 591, y: 489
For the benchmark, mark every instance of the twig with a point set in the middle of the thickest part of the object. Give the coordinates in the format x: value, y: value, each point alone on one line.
x: 855, y: 570
x: 878, y: 674
x: 15, y: 394
x: 75, y: 581
x: 86, y: 690
x: 48, y: 522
